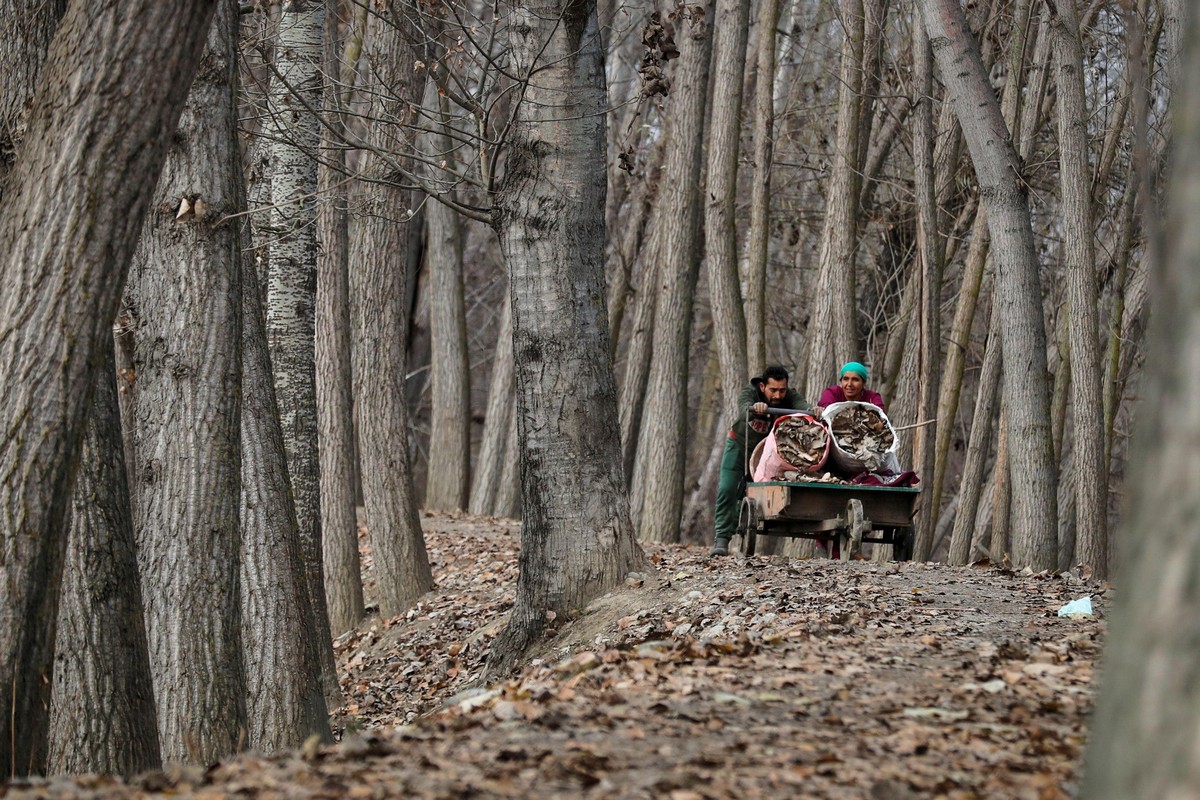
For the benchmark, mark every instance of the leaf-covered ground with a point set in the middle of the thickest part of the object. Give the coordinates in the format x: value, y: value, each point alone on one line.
x: 702, y: 678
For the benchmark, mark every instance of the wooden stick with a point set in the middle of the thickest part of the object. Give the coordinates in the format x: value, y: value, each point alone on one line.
x: 921, y: 424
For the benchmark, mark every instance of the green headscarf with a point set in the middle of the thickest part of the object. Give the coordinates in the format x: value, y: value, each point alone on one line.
x: 854, y: 366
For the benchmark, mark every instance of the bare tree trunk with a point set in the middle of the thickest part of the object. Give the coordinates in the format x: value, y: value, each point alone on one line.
x: 929, y: 263
x: 292, y: 280
x: 113, y: 85
x: 709, y: 442
x: 102, y: 714
x: 1123, y: 255
x: 1018, y: 292
x: 1091, y: 477
x: 26, y: 28
x: 335, y: 393
x: 632, y: 244
x: 731, y: 29
x: 977, y: 252
x: 184, y: 303
x: 577, y: 540
x: 631, y: 401
x: 657, y: 493
x: 759, y: 239
x: 498, y: 420
x: 1144, y: 738
x: 971, y: 487
x: 449, y: 478
x: 508, y: 494
x: 380, y: 304
x: 285, y: 690
x: 1001, y: 544
x: 831, y: 332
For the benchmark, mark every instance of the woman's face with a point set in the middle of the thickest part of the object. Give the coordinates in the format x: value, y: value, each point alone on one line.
x: 852, y: 385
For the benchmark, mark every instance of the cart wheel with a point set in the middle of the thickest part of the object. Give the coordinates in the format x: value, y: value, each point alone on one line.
x: 749, y: 522
x: 902, y: 547
x: 856, y: 528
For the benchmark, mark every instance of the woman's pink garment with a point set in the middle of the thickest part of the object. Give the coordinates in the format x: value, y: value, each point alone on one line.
x: 834, y: 394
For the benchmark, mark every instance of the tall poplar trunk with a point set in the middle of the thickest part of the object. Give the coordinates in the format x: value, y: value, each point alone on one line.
x: 576, y: 540
x: 731, y: 24
x: 929, y: 256
x: 977, y: 252
x: 1001, y: 500
x: 1091, y: 475
x: 1026, y: 390
x: 759, y: 239
x: 448, y: 483
x: 380, y: 306
x: 26, y: 28
x: 1143, y: 742
x: 102, y: 714
x: 508, y: 493
x: 335, y: 396
x: 184, y: 305
x: 107, y: 98
x: 639, y: 352
x: 498, y: 419
x: 832, y: 335
x: 657, y: 486
x: 285, y: 690
x: 972, y: 484
x: 292, y: 279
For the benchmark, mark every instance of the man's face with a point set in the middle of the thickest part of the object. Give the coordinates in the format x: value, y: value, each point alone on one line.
x: 775, y: 390
x: 852, y: 385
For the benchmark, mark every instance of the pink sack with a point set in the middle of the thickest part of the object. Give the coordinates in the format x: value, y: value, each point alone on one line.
x: 771, y: 465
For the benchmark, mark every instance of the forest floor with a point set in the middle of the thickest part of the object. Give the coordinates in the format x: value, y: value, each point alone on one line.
x: 702, y: 678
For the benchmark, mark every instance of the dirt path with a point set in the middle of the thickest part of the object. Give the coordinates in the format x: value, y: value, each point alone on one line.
x: 703, y: 679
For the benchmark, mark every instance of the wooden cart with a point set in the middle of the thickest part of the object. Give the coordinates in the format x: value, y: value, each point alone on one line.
x: 845, y: 516
x: 842, y: 515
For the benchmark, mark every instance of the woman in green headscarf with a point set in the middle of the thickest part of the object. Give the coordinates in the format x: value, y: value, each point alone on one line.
x: 852, y: 385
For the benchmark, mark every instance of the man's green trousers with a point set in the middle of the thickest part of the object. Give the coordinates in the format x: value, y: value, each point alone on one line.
x: 731, y: 488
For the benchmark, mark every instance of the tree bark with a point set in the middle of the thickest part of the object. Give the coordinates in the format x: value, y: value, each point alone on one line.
x: 731, y: 29
x: 631, y: 401
x: 1144, y: 738
x: 1091, y: 475
x: 508, y: 493
x: 930, y: 265
x: 831, y: 332
x: 1001, y: 501
x: 576, y: 540
x: 184, y: 304
x: 498, y: 419
x: 759, y: 239
x: 1026, y: 391
x: 107, y: 99
x: 977, y: 252
x: 292, y: 280
x: 102, y: 715
x: 657, y: 486
x: 285, y: 689
x: 972, y: 484
x: 335, y: 394
x: 380, y: 306
x: 449, y: 479
x: 26, y: 28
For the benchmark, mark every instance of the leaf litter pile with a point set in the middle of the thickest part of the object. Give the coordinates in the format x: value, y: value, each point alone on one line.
x: 863, y: 433
x: 801, y: 442
x: 701, y: 678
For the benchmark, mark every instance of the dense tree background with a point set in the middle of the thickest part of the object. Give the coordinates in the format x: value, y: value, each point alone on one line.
x: 519, y: 259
